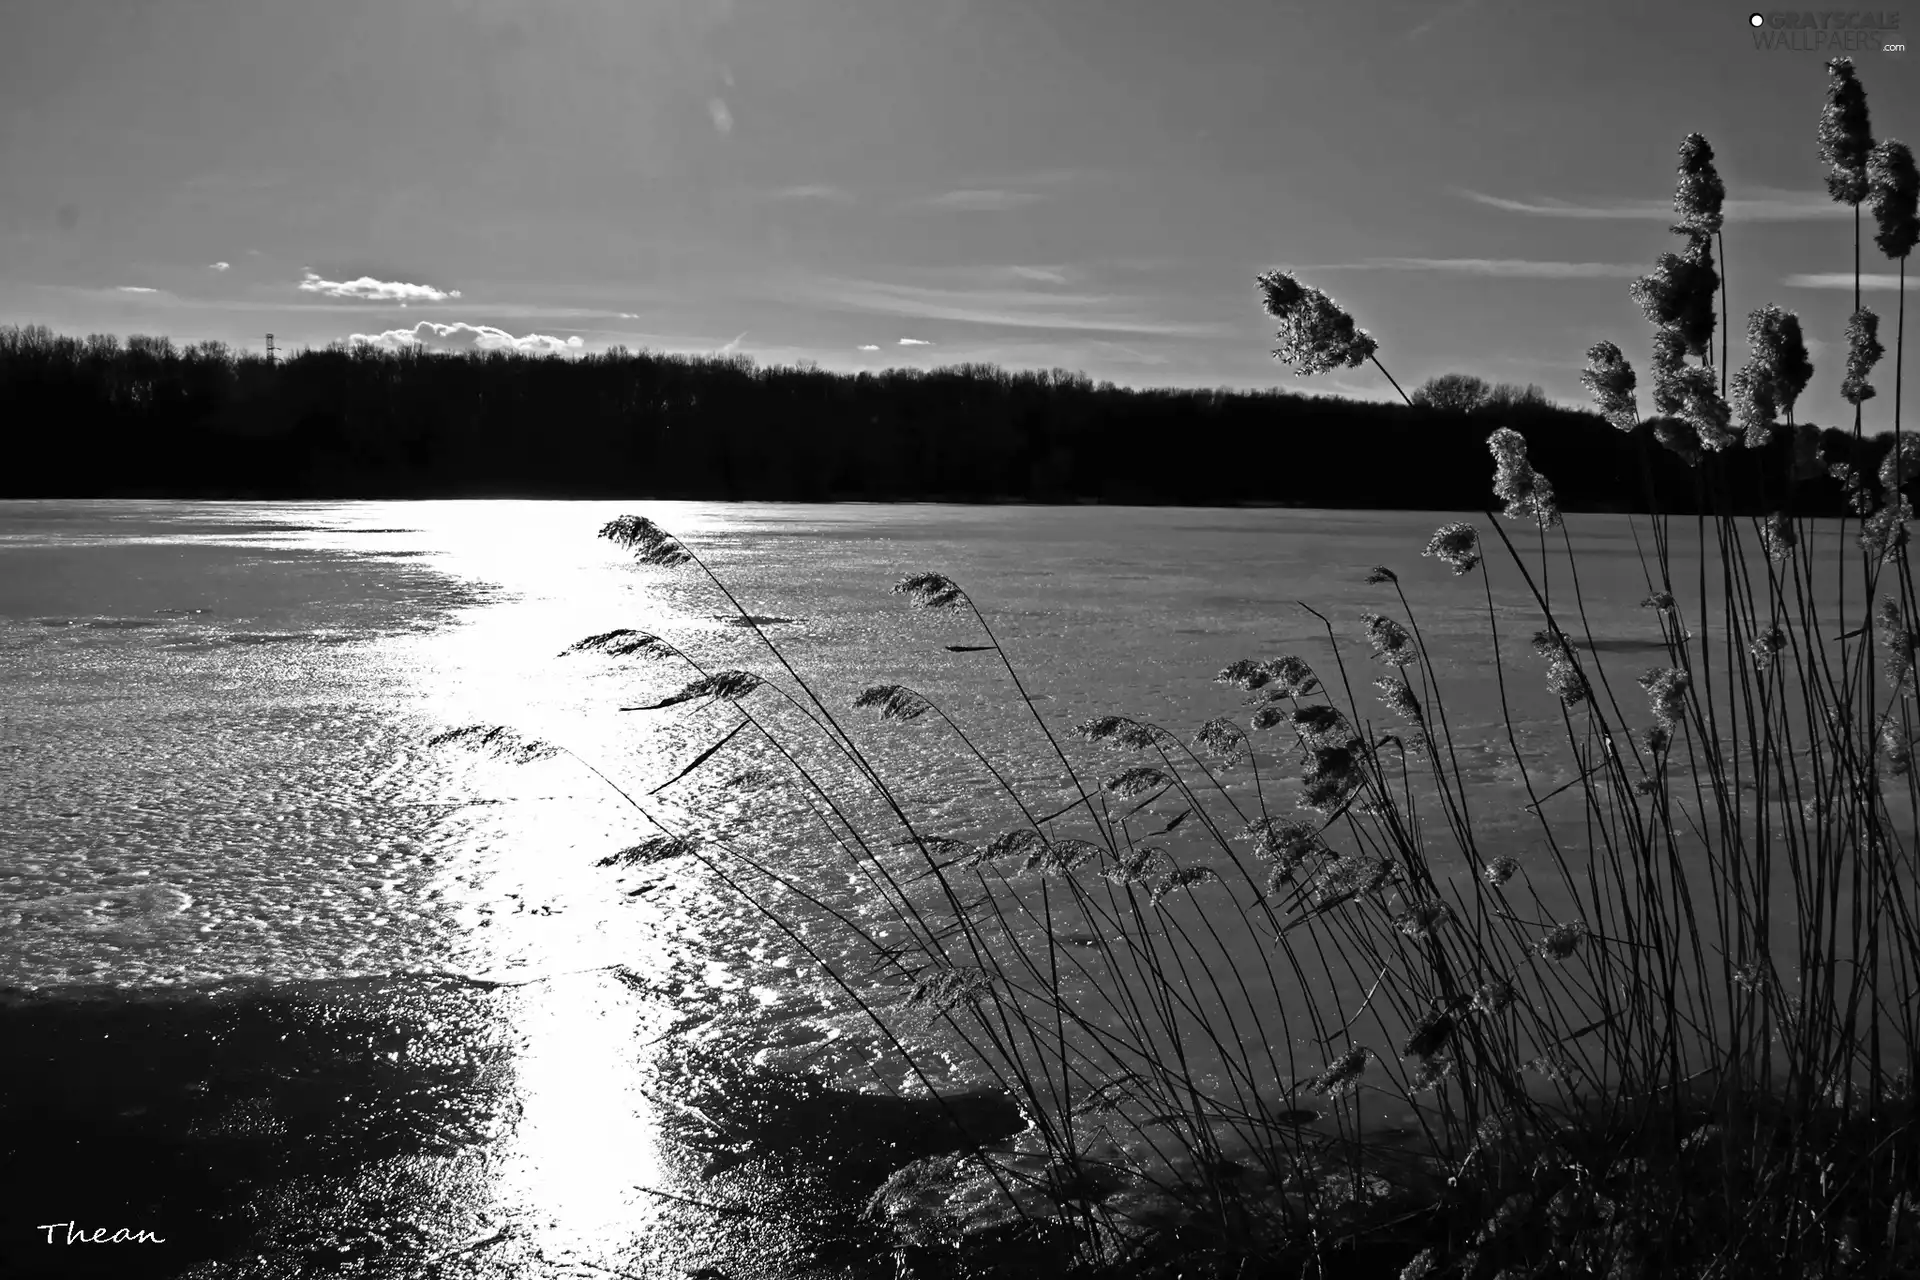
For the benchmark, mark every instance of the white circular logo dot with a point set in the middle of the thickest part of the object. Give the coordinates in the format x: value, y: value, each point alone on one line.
x: 1756, y: 20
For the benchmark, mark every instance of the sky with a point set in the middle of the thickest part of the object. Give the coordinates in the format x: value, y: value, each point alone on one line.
x: 1082, y: 184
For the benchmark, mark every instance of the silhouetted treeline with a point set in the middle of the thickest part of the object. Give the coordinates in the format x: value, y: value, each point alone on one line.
x: 94, y: 417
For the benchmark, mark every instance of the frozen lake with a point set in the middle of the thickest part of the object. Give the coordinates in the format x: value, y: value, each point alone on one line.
x: 214, y: 769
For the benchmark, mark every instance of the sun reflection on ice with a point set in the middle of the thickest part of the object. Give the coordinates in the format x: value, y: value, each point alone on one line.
x: 526, y: 902
x: 587, y: 1138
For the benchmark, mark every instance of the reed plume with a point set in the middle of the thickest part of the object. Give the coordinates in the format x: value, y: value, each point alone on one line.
x: 1124, y: 732
x: 1893, y: 194
x: 623, y: 642
x: 1316, y: 336
x: 1777, y: 370
x: 1494, y: 996
x: 649, y: 543
x: 1183, y: 878
x: 1884, y: 533
x: 1136, y: 781
x: 1291, y: 677
x: 1455, y: 545
x: 1224, y: 738
x: 1679, y: 295
x: 1321, y: 725
x: 1430, y: 1036
x: 1562, y: 941
x: 496, y: 740
x: 1846, y: 140
x: 1699, y: 194
x: 1342, y: 1075
x: 1285, y: 843
x: 1778, y: 537
x: 1863, y: 352
x: 1147, y: 864
x: 1897, y: 642
x: 1667, y: 692
x: 649, y: 851
x: 721, y: 686
x: 1398, y: 697
x: 1564, y: 676
x: 1392, y: 642
x: 895, y: 702
x: 1422, y: 920
x: 1609, y: 377
x: 1528, y: 494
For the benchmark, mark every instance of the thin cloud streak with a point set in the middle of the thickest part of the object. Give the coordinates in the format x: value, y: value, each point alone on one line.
x: 1882, y: 281
x: 1773, y: 206
x: 1510, y: 268
x: 915, y: 342
x: 982, y: 200
x: 346, y: 306
x: 134, y: 288
x: 974, y: 274
x: 218, y: 266
x: 813, y: 191
x: 1038, y: 275
x: 1002, y: 308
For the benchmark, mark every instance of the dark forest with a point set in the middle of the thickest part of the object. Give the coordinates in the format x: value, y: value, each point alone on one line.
x: 98, y: 417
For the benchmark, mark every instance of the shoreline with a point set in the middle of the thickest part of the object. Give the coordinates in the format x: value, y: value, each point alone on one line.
x: 371, y: 1126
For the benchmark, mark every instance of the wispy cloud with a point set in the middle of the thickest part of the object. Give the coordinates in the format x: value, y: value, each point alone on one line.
x: 460, y: 338
x: 978, y: 199
x: 1771, y: 204
x: 974, y: 274
x: 367, y: 289
x: 999, y: 307
x: 342, y: 305
x: 1516, y: 268
x: 1130, y: 355
x: 134, y: 288
x: 813, y: 191
x: 869, y: 346
x: 915, y: 342
x: 722, y: 117
x: 733, y: 344
x: 1039, y: 275
x: 218, y: 266
x: 1886, y: 281
x: 1051, y: 178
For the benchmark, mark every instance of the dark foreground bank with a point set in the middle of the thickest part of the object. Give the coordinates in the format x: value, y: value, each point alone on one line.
x: 359, y: 1128
x: 362, y: 1128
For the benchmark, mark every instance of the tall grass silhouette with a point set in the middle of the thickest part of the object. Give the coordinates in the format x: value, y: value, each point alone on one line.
x: 1674, y: 1035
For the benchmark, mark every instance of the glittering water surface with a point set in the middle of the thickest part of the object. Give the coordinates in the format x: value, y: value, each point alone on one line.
x: 214, y: 764
x: 214, y: 714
